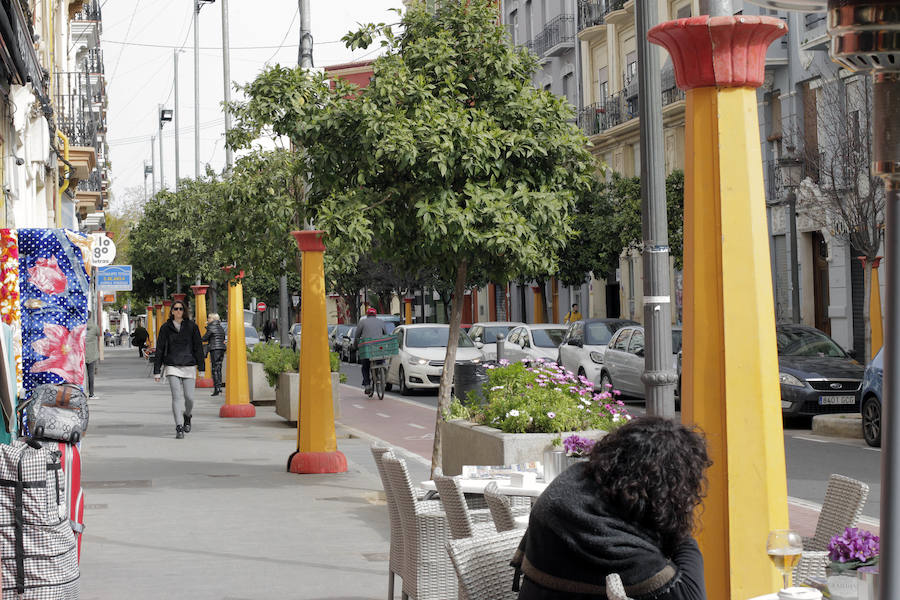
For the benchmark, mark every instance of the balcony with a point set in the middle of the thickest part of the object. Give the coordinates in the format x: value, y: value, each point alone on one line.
x: 93, y: 62
x: 90, y: 11
x: 623, y: 106
x: 557, y: 38
x: 75, y: 114
x: 592, y: 13
x: 815, y: 32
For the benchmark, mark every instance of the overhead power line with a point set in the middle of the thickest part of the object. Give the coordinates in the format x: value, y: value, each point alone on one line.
x: 143, y: 45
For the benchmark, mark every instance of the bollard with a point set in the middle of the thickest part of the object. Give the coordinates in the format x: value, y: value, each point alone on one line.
x: 501, y: 342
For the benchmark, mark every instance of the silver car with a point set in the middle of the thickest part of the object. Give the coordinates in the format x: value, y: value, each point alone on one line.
x: 485, y: 335
x: 294, y: 334
x: 531, y: 342
x: 623, y: 363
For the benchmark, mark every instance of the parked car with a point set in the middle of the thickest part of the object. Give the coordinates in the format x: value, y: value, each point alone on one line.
x: 623, y: 363
x: 817, y: 376
x: 251, y: 336
x: 335, y: 336
x: 582, y: 350
x: 870, y: 397
x: 347, y: 349
x: 530, y: 342
x: 485, y: 335
x: 393, y: 321
x: 294, y: 334
x: 422, y: 350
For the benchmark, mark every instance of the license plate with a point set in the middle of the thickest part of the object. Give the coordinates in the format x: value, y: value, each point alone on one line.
x: 823, y: 400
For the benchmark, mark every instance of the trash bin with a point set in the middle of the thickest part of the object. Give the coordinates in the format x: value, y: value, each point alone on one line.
x: 468, y: 379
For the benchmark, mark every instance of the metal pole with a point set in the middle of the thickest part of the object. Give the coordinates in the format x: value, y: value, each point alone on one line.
x: 226, y: 72
x: 306, y: 58
x: 153, y: 162
x: 177, y: 110
x: 716, y: 8
x: 196, y: 89
x: 795, y: 269
x: 145, y: 181
x: 162, y: 171
x: 659, y: 377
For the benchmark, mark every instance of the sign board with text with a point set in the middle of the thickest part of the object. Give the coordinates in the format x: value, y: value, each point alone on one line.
x: 114, y: 278
x: 103, y: 249
x: 109, y: 298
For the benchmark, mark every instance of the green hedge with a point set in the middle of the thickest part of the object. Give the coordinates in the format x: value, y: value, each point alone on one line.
x: 277, y: 360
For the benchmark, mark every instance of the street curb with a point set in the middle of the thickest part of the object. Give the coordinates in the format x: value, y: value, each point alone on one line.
x: 846, y: 425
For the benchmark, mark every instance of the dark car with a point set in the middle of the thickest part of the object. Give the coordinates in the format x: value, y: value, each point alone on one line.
x: 335, y: 336
x: 817, y: 376
x: 870, y: 396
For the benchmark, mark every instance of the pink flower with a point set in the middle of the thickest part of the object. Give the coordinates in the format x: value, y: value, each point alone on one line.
x: 46, y: 276
x: 64, y: 350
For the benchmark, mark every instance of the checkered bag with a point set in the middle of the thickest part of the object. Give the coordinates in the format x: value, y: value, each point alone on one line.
x: 37, y: 546
x: 57, y: 412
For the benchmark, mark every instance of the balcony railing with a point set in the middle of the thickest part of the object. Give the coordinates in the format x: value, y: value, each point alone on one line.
x: 593, y: 12
x: 93, y: 61
x: 815, y: 20
x: 560, y: 30
x: 90, y: 12
x: 74, y: 114
x: 92, y: 184
x: 623, y: 106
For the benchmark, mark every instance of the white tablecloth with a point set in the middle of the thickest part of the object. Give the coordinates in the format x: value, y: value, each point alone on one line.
x: 476, y: 486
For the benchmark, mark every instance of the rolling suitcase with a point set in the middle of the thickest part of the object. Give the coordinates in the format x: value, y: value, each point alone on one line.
x: 57, y: 412
x: 70, y: 458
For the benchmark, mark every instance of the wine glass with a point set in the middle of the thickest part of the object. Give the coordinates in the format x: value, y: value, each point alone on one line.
x: 784, y: 547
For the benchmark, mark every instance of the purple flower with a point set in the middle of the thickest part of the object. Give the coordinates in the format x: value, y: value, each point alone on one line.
x: 578, y: 446
x: 853, y: 545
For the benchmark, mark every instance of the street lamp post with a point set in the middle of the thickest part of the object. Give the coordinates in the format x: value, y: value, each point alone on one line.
x: 791, y: 173
x: 165, y: 115
x: 176, y: 111
x: 198, y: 4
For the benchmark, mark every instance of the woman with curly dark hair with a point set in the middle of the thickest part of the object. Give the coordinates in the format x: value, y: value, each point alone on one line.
x: 628, y: 510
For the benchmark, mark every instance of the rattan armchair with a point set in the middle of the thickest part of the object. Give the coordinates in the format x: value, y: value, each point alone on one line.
x: 427, y: 572
x: 482, y: 565
x: 844, y: 501
x: 501, y: 511
x: 463, y: 521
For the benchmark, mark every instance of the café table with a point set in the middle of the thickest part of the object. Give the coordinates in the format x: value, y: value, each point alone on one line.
x: 476, y: 486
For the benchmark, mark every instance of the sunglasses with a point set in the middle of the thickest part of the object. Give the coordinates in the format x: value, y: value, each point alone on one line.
x: 177, y: 308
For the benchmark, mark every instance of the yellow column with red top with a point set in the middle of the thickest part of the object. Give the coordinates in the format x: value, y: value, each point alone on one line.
x: 237, y: 388
x: 151, y: 327
x: 730, y: 369
x: 316, y: 440
x: 158, y: 317
x: 408, y: 302
x: 204, y: 380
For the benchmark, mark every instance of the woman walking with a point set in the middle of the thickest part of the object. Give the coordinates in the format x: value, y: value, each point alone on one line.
x: 178, y: 352
x: 215, y: 336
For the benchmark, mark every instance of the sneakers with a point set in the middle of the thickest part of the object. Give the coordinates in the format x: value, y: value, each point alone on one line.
x: 93, y: 397
x: 179, y: 432
x: 368, y: 391
x: 187, y: 423
x: 216, y: 392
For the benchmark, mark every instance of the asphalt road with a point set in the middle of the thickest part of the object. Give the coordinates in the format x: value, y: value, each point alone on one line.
x: 810, y: 459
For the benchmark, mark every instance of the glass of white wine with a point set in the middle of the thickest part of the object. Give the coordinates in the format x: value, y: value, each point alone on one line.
x: 784, y: 547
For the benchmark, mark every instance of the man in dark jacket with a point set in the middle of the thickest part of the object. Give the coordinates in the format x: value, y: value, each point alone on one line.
x: 370, y: 327
x: 139, y: 338
x: 215, y: 336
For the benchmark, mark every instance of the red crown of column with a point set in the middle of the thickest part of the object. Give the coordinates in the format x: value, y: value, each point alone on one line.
x: 718, y: 51
x: 158, y: 306
x: 167, y: 303
x: 150, y: 307
x: 199, y: 290
x: 179, y: 297
x: 309, y: 240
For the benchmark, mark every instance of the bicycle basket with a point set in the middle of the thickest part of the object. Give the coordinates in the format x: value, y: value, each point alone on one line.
x: 374, y: 348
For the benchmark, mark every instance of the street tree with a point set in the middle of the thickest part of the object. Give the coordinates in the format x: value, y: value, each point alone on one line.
x: 840, y: 193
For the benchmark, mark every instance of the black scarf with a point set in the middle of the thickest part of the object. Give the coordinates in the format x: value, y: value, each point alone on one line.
x: 573, y: 542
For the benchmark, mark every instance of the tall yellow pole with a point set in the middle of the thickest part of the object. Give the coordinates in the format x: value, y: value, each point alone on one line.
x: 408, y: 302
x: 730, y: 369
x: 316, y: 440
x: 158, y: 317
x: 151, y: 327
x: 538, y: 303
x: 204, y: 380
x: 875, y: 319
x: 237, y: 388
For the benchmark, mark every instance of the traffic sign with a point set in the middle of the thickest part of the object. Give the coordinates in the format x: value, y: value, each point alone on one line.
x: 114, y: 277
x: 103, y: 250
x: 261, y: 307
x: 109, y: 298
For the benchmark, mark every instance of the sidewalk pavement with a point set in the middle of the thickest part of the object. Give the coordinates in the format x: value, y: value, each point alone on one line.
x: 216, y: 515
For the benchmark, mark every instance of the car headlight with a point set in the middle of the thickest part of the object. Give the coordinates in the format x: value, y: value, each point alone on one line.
x: 475, y: 361
x: 788, y: 379
x: 597, y: 358
x: 415, y: 360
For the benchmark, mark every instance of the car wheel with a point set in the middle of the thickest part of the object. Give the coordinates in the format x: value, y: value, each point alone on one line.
x: 404, y: 390
x: 871, y: 421
x: 388, y: 386
x: 606, y: 384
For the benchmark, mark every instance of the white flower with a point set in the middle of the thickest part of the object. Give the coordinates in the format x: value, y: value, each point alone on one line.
x: 512, y: 413
x: 617, y: 417
x: 497, y: 387
x: 552, y: 415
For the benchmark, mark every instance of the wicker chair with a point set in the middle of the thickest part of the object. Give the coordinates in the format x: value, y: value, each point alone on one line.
x: 397, y: 558
x: 615, y: 590
x: 482, y: 565
x: 844, y: 501
x: 463, y: 521
x: 504, y: 520
x: 427, y: 571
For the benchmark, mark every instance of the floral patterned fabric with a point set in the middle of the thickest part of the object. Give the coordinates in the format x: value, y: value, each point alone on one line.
x: 54, y: 293
x: 10, y: 312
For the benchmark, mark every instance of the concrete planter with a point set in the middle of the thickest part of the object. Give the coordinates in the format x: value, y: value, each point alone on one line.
x: 465, y: 443
x: 336, y: 393
x: 260, y: 390
x: 287, y: 396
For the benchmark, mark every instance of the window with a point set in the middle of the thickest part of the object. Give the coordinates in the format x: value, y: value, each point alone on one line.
x: 621, y: 341
x: 603, y: 92
x: 566, y: 87
x: 514, y: 27
x: 528, y: 16
x: 637, y: 342
x: 683, y: 12
x: 630, y: 67
x: 546, y: 338
x: 513, y: 337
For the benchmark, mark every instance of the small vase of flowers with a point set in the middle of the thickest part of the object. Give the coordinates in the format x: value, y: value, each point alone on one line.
x: 848, y: 552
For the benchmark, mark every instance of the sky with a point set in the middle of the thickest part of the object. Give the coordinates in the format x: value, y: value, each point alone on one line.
x: 139, y: 41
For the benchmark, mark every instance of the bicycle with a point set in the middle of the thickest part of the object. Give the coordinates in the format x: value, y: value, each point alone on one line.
x: 378, y: 369
x: 378, y: 351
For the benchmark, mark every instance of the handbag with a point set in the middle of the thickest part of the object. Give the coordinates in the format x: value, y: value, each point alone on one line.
x: 57, y: 412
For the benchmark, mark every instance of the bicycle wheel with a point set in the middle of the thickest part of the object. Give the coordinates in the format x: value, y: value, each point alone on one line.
x: 379, y: 382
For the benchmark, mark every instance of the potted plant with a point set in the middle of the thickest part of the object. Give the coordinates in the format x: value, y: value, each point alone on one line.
x: 848, y: 552
x: 261, y: 383
x: 526, y: 408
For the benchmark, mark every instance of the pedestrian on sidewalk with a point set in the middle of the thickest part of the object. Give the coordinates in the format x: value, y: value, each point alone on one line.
x: 215, y: 338
x: 139, y: 338
x: 629, y: 510
x: 178, y: 352
x: 370, y: 327
x: 91, y: 353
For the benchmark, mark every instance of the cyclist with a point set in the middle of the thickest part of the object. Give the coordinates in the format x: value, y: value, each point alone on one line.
x: 370, y: 327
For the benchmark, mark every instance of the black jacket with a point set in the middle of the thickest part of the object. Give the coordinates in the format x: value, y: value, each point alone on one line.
x: 140, y: 336
x: 178, y: 348
x: 215, y: 335
x: 574, y: 541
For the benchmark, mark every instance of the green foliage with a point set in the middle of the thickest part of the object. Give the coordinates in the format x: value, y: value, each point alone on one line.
x: 541, y: 398
x: 335, y: 360
x: 275, y: 360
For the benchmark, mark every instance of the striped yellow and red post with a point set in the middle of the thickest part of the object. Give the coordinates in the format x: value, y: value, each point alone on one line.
x: 316, y: 440
x: 730, y: 368
x: 204, y: 380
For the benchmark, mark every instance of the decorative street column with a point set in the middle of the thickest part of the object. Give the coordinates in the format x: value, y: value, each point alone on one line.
x: 316, y: 441
x: 159, y: 316
x: 151, y: 327
x: 730, y: 369
x: 237, y: 389
x: 178, y: 297
x: 876, y: 327
x: 166, y: 311
x: 538, y: 303
x: 408, y: 302
x: 204, y: 380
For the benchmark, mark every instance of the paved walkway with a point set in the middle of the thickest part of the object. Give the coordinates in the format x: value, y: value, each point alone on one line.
x: 216, y: 515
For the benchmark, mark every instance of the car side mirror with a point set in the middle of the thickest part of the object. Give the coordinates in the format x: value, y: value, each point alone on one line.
x: 851, y: 353
x: 576, y: 342
x: 639, y: 352
x: 478, y: 343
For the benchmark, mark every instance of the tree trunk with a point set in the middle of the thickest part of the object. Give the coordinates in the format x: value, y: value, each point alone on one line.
x: 449, y: 364
x: 867, y: 323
